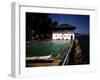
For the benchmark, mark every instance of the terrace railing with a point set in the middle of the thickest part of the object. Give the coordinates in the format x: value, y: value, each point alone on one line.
x: 65, y: 56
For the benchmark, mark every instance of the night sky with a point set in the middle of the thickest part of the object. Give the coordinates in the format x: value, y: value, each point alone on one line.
x: 81, y: 22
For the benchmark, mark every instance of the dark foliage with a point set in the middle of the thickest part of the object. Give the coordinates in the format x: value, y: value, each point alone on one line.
x: 37, y: 25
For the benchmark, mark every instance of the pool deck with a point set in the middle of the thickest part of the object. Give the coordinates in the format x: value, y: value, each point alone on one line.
x: 55, y: 62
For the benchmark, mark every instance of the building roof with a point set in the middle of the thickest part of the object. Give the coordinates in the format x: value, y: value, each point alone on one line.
x: 63, y: 27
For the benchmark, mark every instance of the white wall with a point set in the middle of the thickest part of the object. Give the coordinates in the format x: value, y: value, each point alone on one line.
x: 63, y: 36
x: 5, y: 40
x: 68, y: 36
x: 56, y: 36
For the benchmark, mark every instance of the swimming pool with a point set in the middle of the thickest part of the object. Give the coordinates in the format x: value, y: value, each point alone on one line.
x: 53, y: 47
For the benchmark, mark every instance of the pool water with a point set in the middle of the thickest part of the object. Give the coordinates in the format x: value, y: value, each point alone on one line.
x: 53, y: 47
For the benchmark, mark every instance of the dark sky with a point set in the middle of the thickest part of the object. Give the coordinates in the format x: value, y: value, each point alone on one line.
x: 81, y: 22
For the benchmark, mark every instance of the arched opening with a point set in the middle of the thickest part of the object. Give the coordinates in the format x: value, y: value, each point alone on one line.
x: 71, y: 37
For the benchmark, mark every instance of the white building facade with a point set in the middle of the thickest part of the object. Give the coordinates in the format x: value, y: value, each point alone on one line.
x: 63, y: 36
